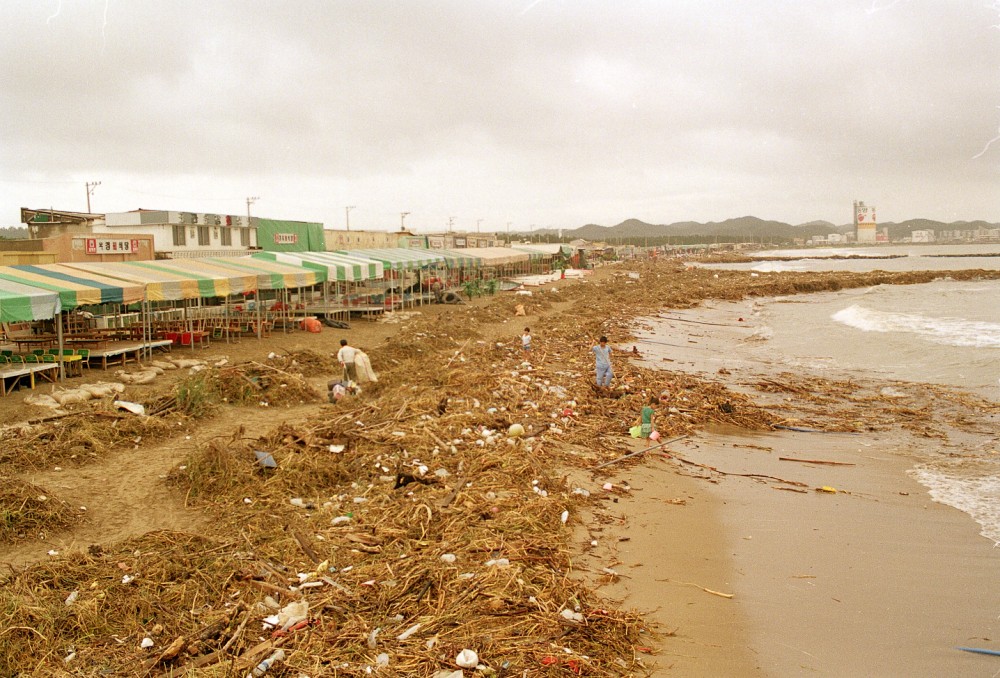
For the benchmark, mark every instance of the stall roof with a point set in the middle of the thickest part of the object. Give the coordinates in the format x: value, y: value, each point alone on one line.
x: 165, y: 281
x: 399, y: 258
x: 550, y: 248
x: 497, y: 256
x: 271, y: 275
x: 460, y: 259
x: 20, y: 303
x: 74, y: 287
x: 338, y: 267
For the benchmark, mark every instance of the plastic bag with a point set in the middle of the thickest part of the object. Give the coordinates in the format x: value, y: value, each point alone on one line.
x: 635, y: 431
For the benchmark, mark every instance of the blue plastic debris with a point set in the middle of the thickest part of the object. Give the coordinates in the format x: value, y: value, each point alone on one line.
x: 265, y: 459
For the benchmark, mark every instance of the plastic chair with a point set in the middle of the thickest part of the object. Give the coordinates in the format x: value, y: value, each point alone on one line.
x: 38, y: 351
x: 3, y: 359
x: 6, y: 353
x: 67, y: 351
x: 84, y: 354
x: 48, y: 358
x: 16, y: 359
x: 52, y: 351
x: 30, y: 358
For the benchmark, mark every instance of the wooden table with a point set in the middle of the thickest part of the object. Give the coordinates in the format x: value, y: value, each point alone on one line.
x: 15, y: 373
x: 37, y: 340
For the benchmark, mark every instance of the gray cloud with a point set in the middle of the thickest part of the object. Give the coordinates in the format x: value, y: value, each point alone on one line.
x: 546, y: 113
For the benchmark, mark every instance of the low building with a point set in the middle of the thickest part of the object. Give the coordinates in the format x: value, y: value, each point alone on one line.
x: 925, y: 235
x: 57, y: 236
x: 457, y: 241
x: 337, y: 239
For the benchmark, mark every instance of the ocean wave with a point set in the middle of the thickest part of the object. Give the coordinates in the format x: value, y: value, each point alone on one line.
x: 966, y: 490
x: 949, y: 331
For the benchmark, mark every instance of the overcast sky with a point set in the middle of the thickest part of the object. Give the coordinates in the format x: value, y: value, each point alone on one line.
x: 540, y: 113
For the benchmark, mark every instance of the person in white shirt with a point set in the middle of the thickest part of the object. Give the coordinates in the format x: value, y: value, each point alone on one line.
x: 346, y: 356
x: 526, y: 340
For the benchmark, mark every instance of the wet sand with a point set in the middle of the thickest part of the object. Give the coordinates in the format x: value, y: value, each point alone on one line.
x: 874, y: 579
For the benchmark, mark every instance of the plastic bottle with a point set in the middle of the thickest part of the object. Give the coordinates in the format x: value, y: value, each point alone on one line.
x: 262, y: 668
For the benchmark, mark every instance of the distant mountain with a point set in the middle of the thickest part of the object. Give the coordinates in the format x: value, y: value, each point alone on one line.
x: 741, y: 229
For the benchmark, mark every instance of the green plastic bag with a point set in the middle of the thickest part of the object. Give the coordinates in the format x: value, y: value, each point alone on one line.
x: 635, y: 431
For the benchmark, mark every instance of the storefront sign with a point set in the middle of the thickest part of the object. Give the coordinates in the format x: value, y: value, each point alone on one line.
x: 110, y: 246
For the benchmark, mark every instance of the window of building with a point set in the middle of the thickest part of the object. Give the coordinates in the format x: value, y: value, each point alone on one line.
x: 203, y: 235
x: 245, y: 237
x: 179, y: 240
x: 226, y: 236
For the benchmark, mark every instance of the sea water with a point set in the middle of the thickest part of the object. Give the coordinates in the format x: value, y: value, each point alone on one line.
x: 945, y: 332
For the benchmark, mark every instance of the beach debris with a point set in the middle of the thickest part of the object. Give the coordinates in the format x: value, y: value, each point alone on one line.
x: 818, y: 461
x: 979, y: 650
x: 265, y: 459
x: 827, y: 489
x: 262, y: 668
x: 467, y: 659
x: 699, y: 586
x: 134, y: 408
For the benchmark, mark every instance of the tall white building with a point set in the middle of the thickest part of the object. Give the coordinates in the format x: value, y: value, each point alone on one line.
x: 865, y: 225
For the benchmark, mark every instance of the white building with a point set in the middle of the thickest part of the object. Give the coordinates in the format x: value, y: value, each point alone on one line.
x: 187, y: 234
x: 922, y: 236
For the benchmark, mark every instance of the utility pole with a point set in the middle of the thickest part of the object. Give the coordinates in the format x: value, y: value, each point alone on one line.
x: 402, y: 220
x: 91, y: 185
x: 478, y: 222
x: 251, y: 201
x: 347, y: 216
x: 451, y: 224
x: 508, y: 234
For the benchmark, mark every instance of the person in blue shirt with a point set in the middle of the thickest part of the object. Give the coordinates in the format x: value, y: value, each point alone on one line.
x: 602, y: 362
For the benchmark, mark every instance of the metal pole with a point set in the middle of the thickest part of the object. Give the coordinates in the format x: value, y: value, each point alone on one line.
x: 347, y: 215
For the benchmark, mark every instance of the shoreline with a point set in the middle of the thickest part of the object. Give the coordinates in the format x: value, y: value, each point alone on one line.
x: 873, y: 579
x: 673, y: 574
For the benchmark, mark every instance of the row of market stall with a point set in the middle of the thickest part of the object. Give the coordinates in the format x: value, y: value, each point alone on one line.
x: 263, y: 287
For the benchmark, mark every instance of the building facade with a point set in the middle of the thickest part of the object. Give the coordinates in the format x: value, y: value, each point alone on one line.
x: 337, y: 239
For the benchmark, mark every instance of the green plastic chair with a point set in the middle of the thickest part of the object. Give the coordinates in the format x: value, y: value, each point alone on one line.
x: 16, y: 359
x: 31, y: 358
x: 48, y: 358
x: 52, y: 351
x: 6, y: 353
x: 38, y: 351
x: 84, y: 354
x: 66, y: 351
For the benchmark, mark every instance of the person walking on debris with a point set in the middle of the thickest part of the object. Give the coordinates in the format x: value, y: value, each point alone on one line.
x: 526, y: 340
x: 602, y: 362
x: 346, y: 356
x: 438, y: 289
x: 646, y: 419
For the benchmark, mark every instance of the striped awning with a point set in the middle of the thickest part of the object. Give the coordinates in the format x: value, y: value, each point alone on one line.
x: 20, y: 303
x: 338, y: 267
x: 498, y: 256
x: 399, y: 258
x: 165, y: 281
x: 74, y: 287
x: 271, y: 275
x: 460, y: 259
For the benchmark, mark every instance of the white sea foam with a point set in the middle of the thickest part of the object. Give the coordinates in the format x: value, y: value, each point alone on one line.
x: 977, y: 495
x: 779, y: 266
x: 949, y: 331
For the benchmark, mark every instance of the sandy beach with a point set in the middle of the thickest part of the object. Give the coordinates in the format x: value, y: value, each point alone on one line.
x: 873, y: 579
x: 831, y: 561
